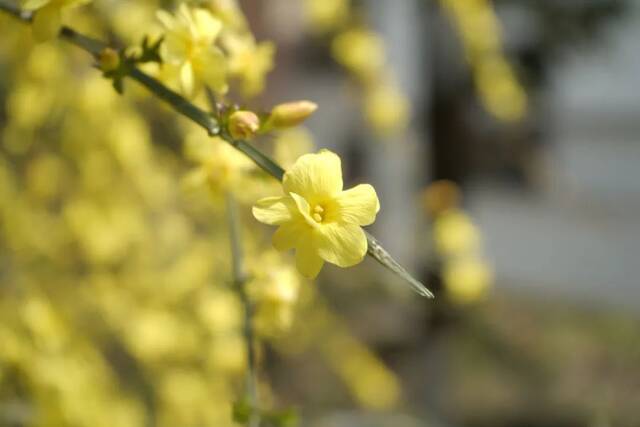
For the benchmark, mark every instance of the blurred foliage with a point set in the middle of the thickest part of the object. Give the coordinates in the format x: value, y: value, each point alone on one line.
x: 480, y: 33
x: 362, y: 52
x: 530, y: 38
x: 117, y: 304
x: 116, y: 299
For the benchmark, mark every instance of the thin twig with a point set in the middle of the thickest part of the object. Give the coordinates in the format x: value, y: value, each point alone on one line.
x: 15, y: 11
x: 210, y: 124
x: 240, y: 282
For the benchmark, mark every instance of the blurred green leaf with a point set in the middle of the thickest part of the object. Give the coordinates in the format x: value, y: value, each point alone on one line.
x: 242, y: 411
x: 284, y: 418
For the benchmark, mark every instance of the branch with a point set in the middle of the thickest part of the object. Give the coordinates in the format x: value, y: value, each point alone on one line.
x: 211, y: 125
x: 239, y: 282
x: 15, y: 11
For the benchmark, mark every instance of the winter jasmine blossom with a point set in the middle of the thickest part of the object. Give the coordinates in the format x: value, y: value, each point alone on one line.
x: 317, y: 217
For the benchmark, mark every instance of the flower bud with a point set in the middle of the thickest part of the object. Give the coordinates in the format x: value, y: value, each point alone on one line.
x: 108, y: 59
x: 243, y: 124
x: 441, y: 196
x: 133, y: 52
x: 291, y: 114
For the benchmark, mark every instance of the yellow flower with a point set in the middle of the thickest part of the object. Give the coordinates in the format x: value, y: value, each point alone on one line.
x: 189, y: 47
x: 467, y: 280
x: 440, y: 196
x: 274, y: 291
x: 360, y: 51
x: 499, y: 89
x: 316, y: 217
x: 220, y: 166
x: 48, y: 16
x: 230, y: 13
x: 325, y: 15
x: 454, y: 233
x: 249, y: 61
x: 291, y: 144
x: 387, y: 109
x: 273, y: 280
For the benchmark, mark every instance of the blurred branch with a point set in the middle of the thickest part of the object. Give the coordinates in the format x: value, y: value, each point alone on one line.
x: 239, y: 282
x: 211, y: 125
x: 15, y: 11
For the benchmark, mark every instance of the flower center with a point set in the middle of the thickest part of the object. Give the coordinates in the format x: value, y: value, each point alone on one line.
x: 318, y: 213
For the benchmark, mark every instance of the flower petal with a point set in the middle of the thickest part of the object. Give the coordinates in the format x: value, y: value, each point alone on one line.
x: 274, y: 210
x: 308, y: 261
x: 314, y: 176
x: 207, y: 26
x: 76, y: 3
x: 358, y: 205
x: 165, y: 19
x: 341, y: 244
x: 47, y: 22
x: 211, y: 67
x: 187, y: 79
x: 184, y: 13
x: 304, y: 209
x: 288, y: 235
x: 34, y: 4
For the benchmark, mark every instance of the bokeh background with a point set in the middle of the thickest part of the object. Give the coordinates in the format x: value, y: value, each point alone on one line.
x: 502, y: 138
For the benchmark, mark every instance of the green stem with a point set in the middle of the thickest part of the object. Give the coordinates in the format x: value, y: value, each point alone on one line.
x: 15, y: 11
x: 177, y: 102
x: 239, y: 282
x: 210, y: 124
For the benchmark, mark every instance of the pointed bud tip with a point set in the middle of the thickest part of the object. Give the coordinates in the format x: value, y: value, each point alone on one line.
x: 291, y: 114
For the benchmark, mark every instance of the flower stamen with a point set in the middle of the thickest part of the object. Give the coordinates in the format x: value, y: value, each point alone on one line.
x: 317, y: 213
x: 317, y: 217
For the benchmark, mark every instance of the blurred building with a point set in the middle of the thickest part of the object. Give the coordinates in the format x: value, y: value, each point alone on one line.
x: 578, y: 234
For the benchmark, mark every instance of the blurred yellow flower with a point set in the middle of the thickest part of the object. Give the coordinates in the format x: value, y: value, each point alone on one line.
x: 156, y: 334
x: 227, y: 353
x: 272, y: 319
x: 499, y: 89
x: 47, y: 20
x: 133, y: 20
x: 189, y: 47
x: 249, y: 61
x: 184, y: 398
x: 105, y: 232
x: 387, y: 109
x: 274, y: 290
x: 45, y: 176
x: 220, y: 311
x: 497, y: 83
x: 316, y: 217
x: 372, y: 384
x: 229, y: 12
x: 467, y: 280
x: 360, y: 51
x: 274, y: 281
x: 30, y: 104
x: 454, y: 233
x: 325, y: 15
x: 291, y: 144
x: 440, y: 196
x: 220, y: 166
